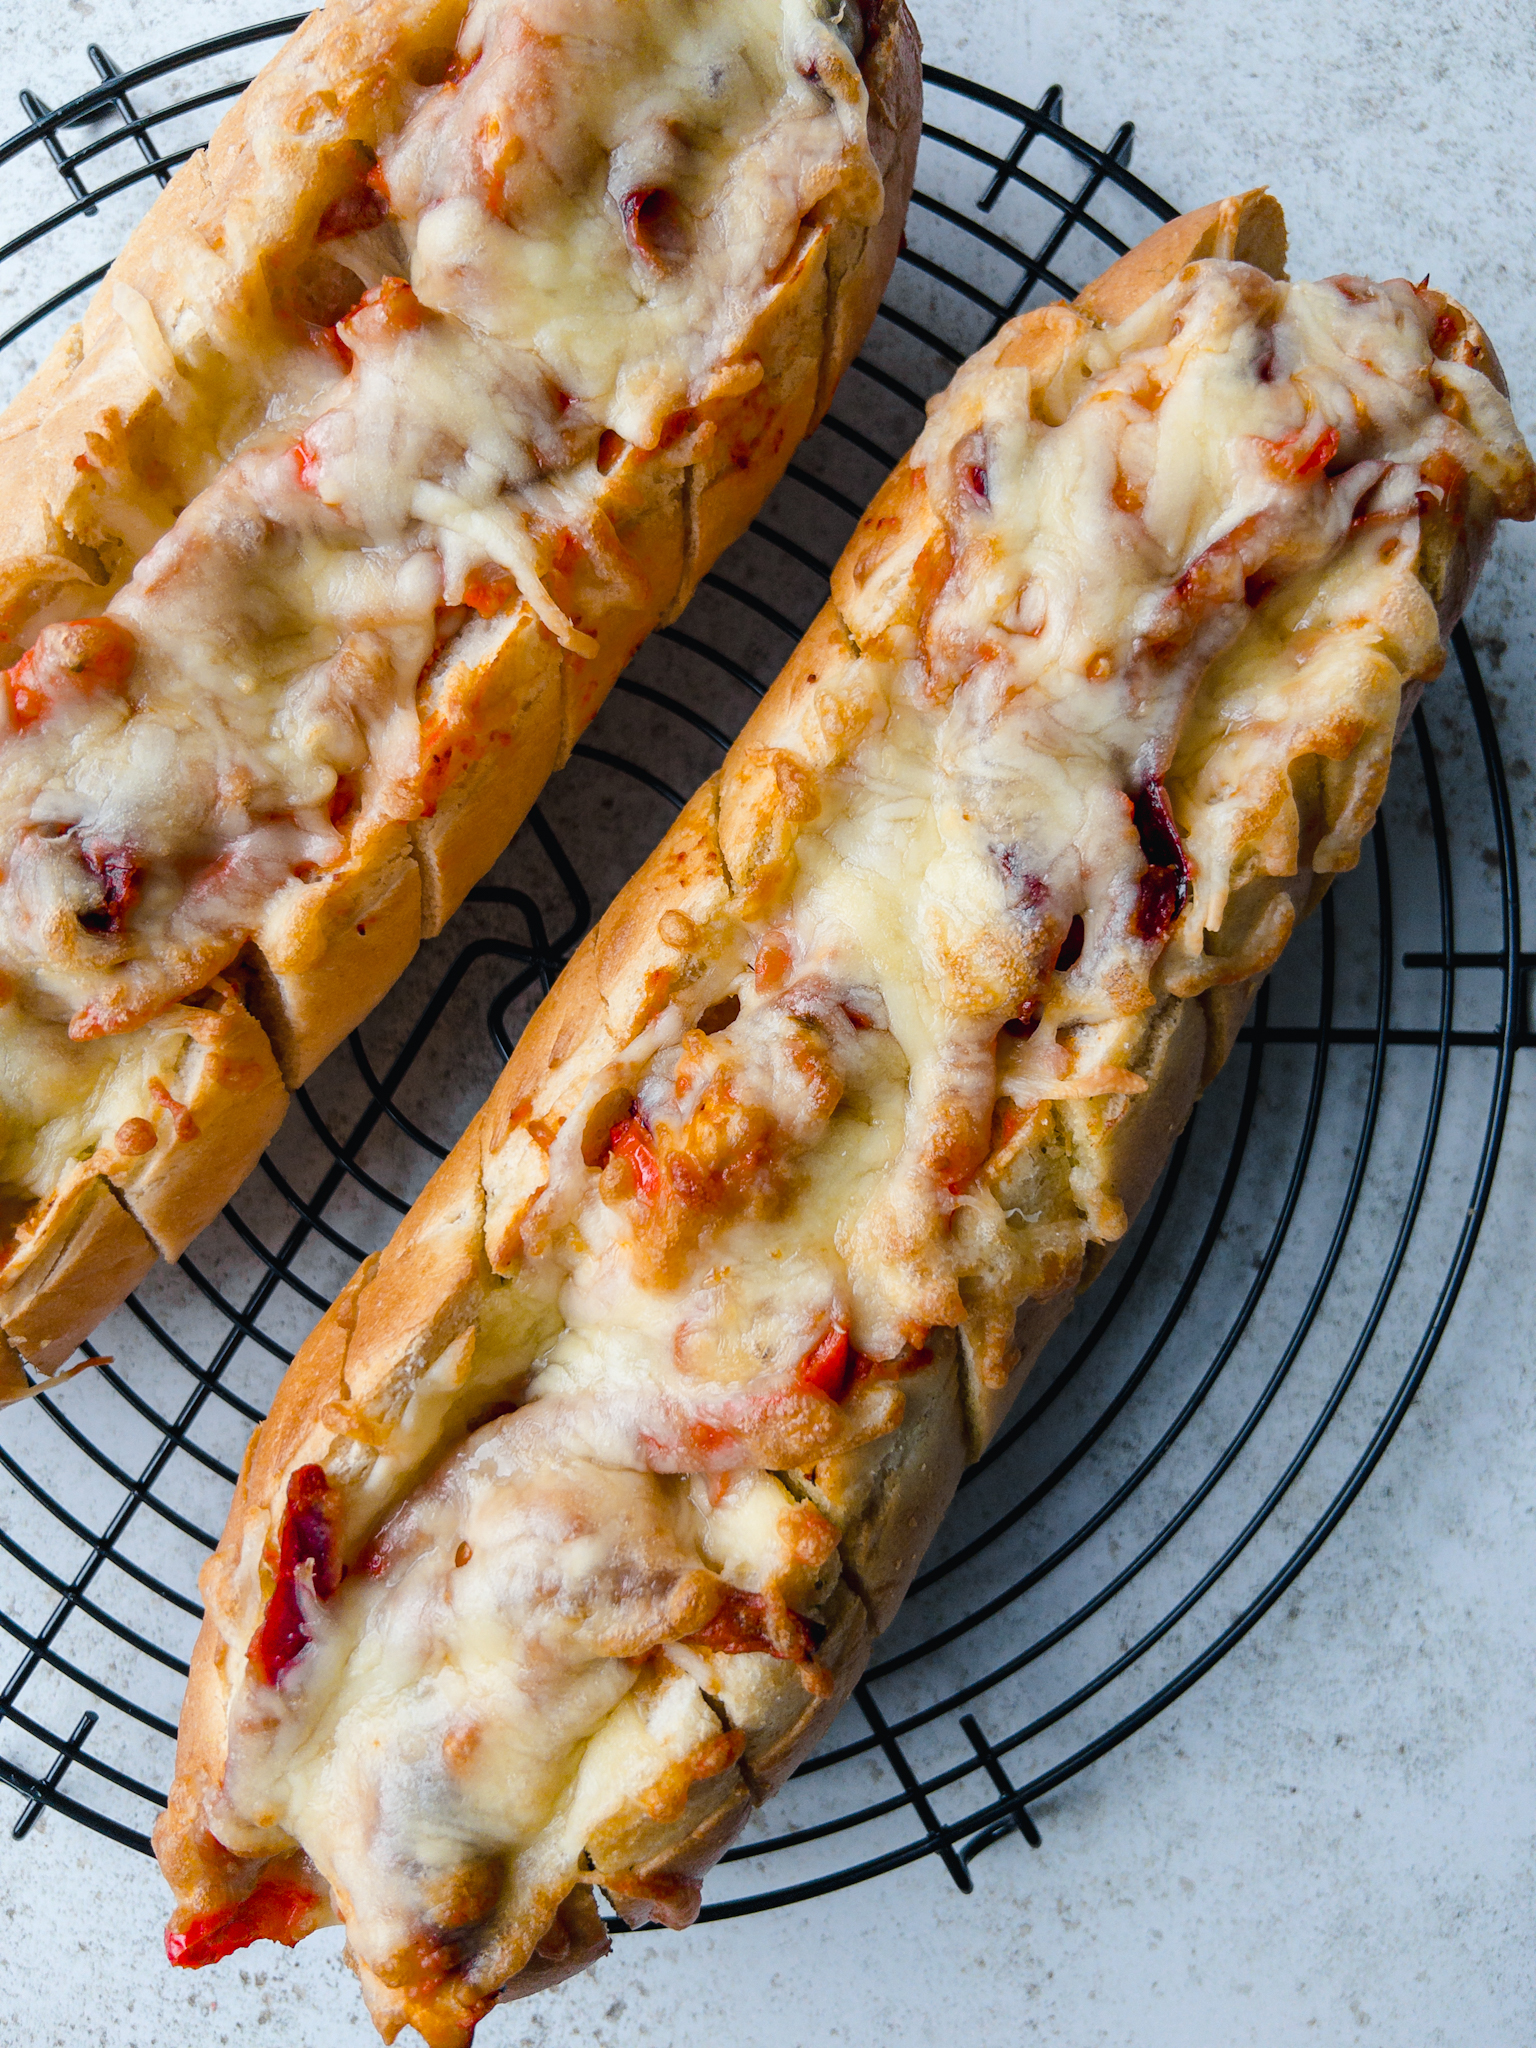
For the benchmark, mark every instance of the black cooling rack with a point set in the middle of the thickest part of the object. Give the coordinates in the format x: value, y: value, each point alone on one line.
x: 1220, y: 1396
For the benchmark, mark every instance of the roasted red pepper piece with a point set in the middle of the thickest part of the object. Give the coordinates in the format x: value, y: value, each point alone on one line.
x: 308, y: 1537
x: 277, y: 1910
x: 741, y: 1626
x: 72, y: 659
x: 631, y: 1141
x: 912, y: 1359
x: 826, y: 1367
x: 1164, y: 888
x: 772, y: 964
x: 1295, y: 457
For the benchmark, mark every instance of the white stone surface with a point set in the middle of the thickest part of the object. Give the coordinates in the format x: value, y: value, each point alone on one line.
x: 1331, y: 1838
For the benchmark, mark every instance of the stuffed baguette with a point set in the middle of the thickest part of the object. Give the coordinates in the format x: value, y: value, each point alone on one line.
x: 574, y: 1519
x: 408, y: 411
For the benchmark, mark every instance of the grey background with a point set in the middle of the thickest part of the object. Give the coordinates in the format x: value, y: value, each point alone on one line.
x: 1331, y: 1838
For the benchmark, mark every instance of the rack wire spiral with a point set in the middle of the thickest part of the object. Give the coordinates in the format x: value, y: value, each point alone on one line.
x: 1219, y: 1397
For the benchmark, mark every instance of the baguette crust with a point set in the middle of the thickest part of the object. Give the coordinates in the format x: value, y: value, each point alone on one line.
x: 860, y: 260
x: 1248, y: 228
x: 328, y: 957
x: 887, y: 1498
x: 181, y: 353
x: 232, y: 1100
x: 205, y: 1098
x: 77, y: 1261
x: 672, y: 941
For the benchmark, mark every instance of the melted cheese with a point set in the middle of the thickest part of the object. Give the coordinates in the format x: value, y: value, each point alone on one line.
x: 1184, y: 566
x: 508, y: 1609
x: 547, y: 1580
x: 62, y: 1103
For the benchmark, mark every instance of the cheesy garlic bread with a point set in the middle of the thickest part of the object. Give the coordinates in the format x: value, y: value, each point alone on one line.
x: 574, y: 1520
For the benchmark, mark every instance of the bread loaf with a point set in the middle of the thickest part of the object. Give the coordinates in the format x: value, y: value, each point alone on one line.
x: 573, y: 1522
x: 411, y: 407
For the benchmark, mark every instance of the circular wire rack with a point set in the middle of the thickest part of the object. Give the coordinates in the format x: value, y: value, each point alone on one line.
x: 1219, y: 1396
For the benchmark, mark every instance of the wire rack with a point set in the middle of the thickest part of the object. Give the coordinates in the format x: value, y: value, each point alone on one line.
x: 1219, y: 1397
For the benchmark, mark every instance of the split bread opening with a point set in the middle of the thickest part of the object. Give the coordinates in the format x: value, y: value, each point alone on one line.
x: 414, y: 404
x: 575, y: 1518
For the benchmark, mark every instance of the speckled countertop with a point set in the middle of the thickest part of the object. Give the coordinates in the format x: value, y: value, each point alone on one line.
x: 1332, y: 1837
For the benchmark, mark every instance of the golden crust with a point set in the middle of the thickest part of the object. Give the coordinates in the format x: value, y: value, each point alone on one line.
x: 506, y: 707
x: 14, y: 1383
x: 1248, y: 228
x: 782, y: 1745
x: 576, y: 1939
x: 230, y: 1100
x: 177, y: 356
x: 886, y: 1499
x: 72, y: 1265
x: 331, y: 951
x: 212, y: 1101
x: 759, y: 431
x: 675, y: 923
x: 860, y: 262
